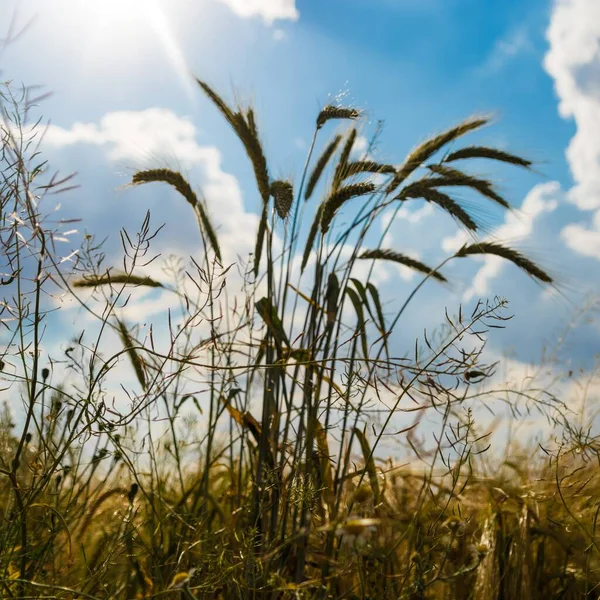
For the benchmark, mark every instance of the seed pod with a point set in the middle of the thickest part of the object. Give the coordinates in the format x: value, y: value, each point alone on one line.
x: 132, y: 492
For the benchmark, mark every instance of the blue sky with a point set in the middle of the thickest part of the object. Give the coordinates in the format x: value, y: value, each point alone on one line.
x: 117, y: 70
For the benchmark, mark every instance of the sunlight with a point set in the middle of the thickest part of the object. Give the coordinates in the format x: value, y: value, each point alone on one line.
x: 122, y: 33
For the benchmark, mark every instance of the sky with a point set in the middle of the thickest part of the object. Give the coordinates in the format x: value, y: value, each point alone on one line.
x: 122, y: 96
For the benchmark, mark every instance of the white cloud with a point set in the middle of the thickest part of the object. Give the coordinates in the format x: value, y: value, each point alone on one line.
x: 573, y: 60
x: 505, y: 49
x: 414, y: 216
x: 455, y: 242
x: 158, y: 134
x: 268, y: 10
x: 404, y: 213
x: 517, y: 225
x: 359, y: 149
x: 582, y: 239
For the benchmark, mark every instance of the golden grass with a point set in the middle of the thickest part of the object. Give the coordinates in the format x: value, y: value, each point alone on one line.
x: 397, y: 543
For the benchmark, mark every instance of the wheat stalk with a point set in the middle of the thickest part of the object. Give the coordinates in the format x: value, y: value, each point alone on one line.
x: 260, y: 238
x: 368, y: 166
x: 249, y: 138
x: 340, y: 197
x: 115, y: 278
x: 283, y: 194
x: 218, y: 102
x: 129, y: 345
x: 174, y: 178
x: 489, y: 153
x: 453, y: 177
x: 320, y: 166
x: 244, y: 126
x: 180, y: 183
x: 336, y: 112
x: 428, y: 148
x: 206, y: 225
x: 445, y: 202
x: 312, y: 234
x: 402, y: 259
x: 509, y: 254
x: 340, y: 170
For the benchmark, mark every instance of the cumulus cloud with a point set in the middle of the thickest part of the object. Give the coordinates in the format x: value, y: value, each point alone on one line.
x: 158, y: 134
x: 417, y: 215
x: 573, y: 60
x: 584, y: 239
x: 268, y: 10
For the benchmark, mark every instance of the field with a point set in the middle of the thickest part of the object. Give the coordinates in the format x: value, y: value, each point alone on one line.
x: 264, y: 440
